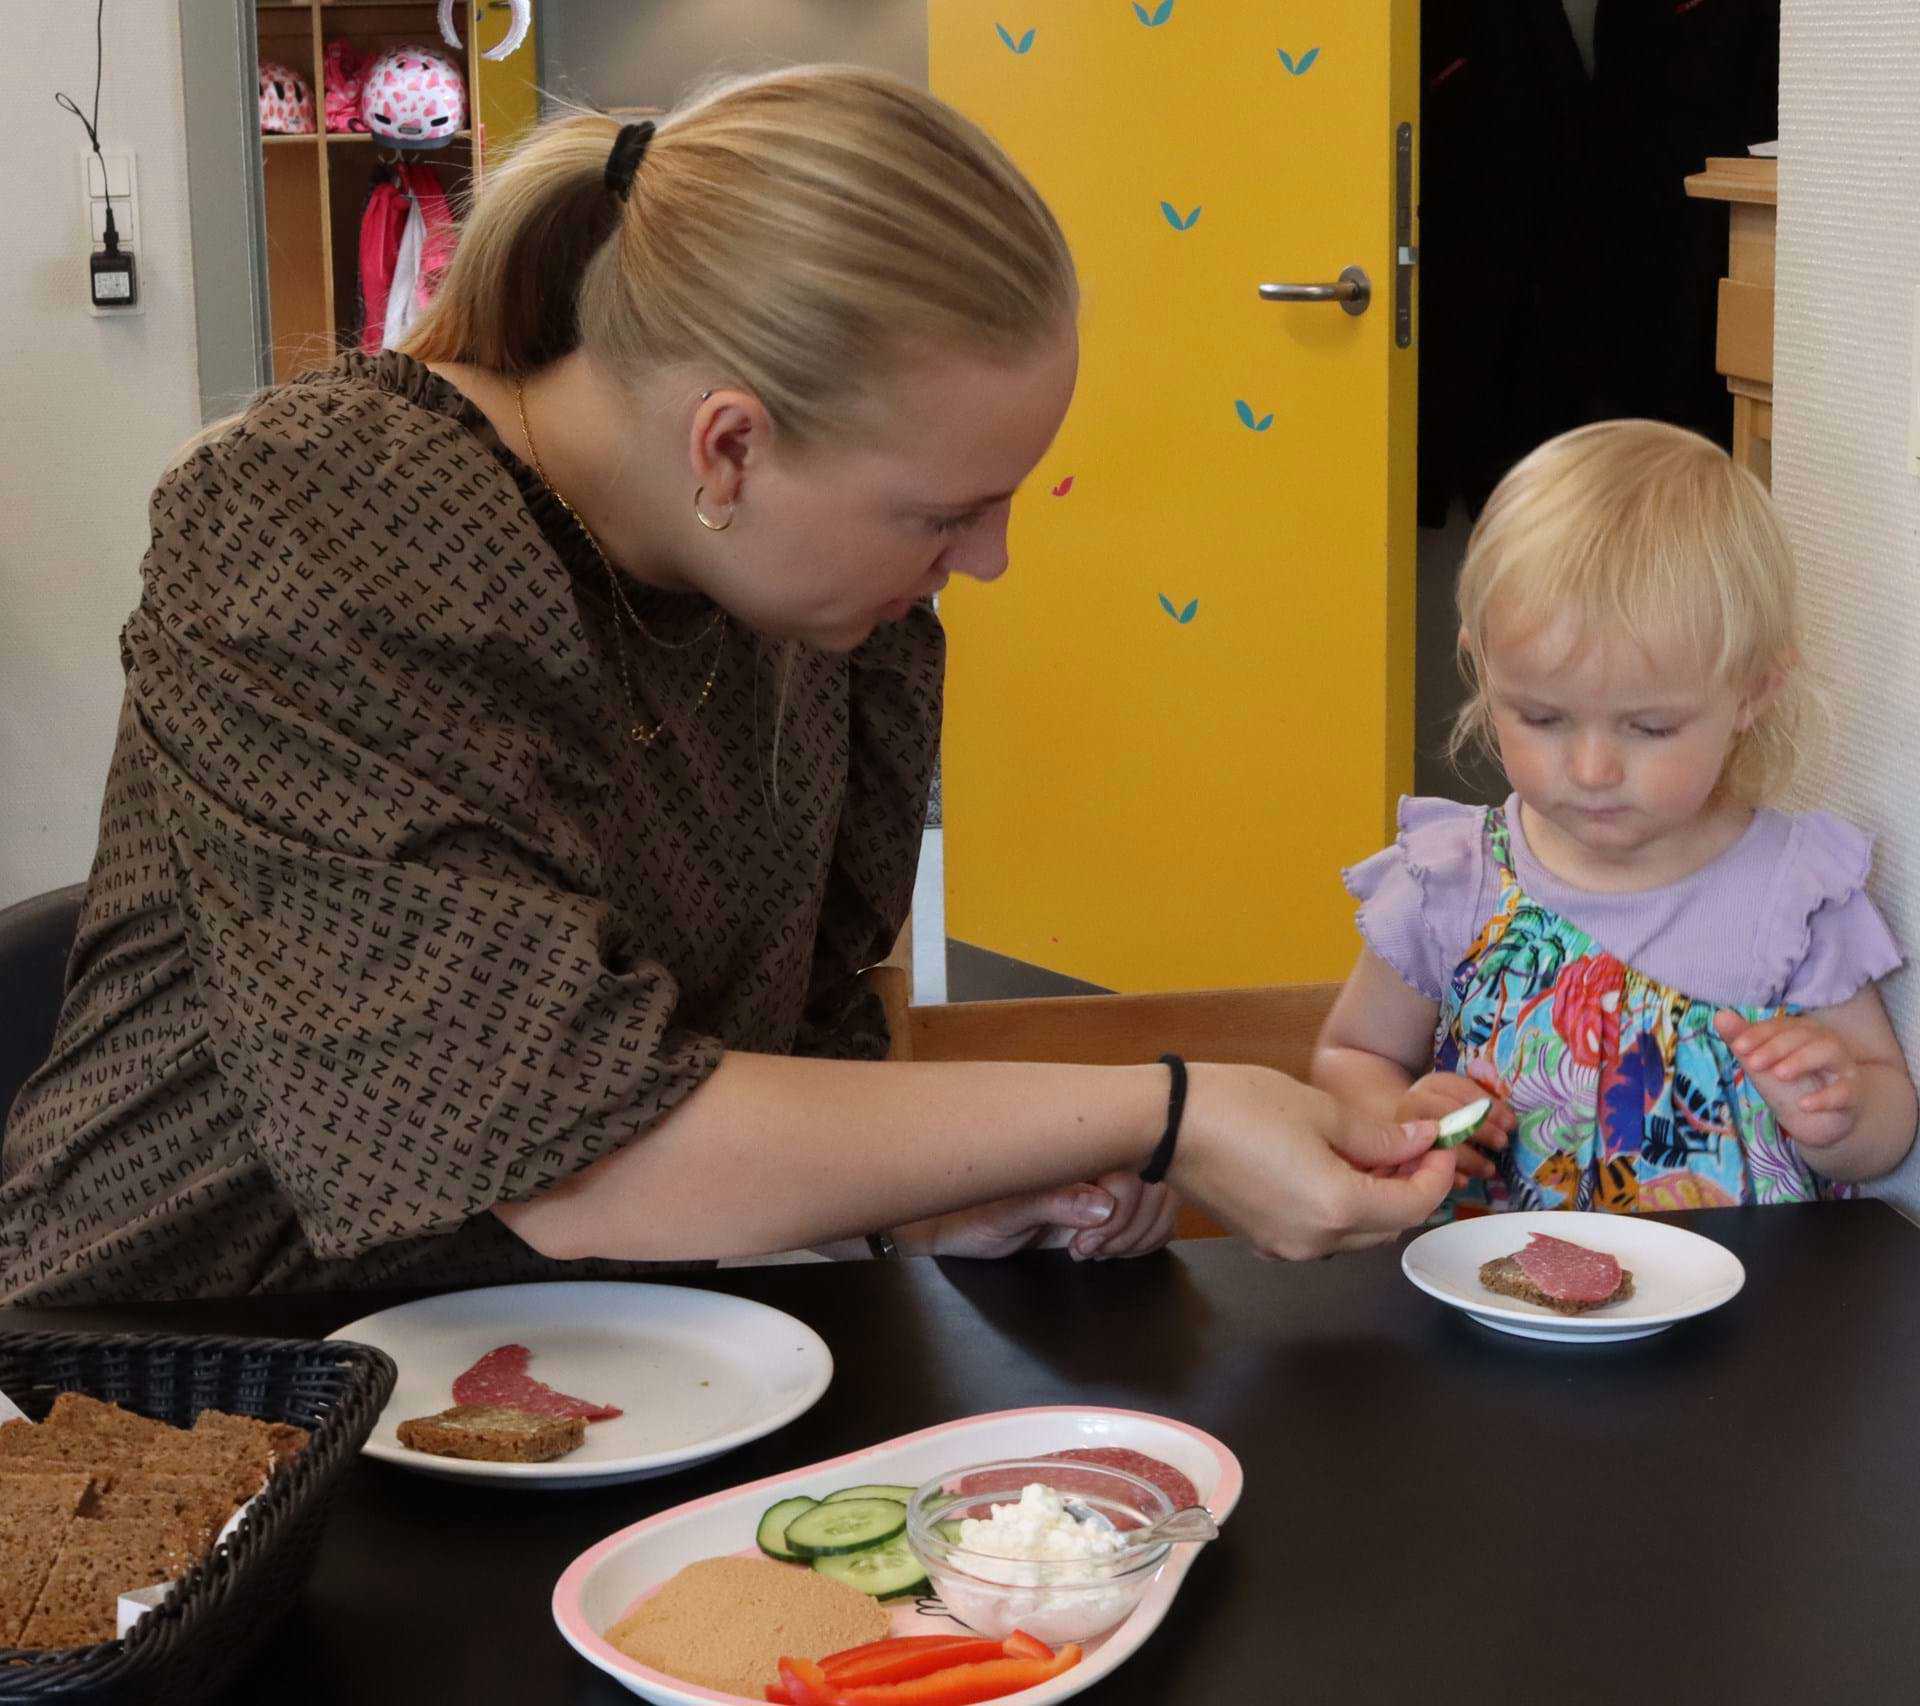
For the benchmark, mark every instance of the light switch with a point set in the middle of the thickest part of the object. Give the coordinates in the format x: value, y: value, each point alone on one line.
x: 125, y: 183
x: 118, y: 181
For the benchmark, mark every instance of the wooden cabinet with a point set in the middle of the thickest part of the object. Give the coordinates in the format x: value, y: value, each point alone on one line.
x: 316, y: 185
x: 1744, y: 345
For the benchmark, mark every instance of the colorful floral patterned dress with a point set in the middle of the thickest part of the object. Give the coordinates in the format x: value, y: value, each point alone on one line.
x: 1627, y: 1098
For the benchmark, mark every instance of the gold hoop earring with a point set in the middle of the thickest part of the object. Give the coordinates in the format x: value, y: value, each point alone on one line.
x: 699, y: 514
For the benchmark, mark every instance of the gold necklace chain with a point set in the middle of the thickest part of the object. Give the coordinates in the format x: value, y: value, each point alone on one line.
x: 640, y: 732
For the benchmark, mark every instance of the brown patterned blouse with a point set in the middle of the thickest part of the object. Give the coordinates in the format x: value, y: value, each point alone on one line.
x: 389, y: 922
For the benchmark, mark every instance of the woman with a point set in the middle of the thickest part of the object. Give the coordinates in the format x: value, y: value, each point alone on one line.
x: 526, y: 745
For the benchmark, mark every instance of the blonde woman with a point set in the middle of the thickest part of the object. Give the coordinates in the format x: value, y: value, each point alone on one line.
x: 1667, y: 984
x: 526, y: 744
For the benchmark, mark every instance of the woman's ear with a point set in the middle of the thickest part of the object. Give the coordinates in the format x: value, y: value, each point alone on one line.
x: 730, y: 430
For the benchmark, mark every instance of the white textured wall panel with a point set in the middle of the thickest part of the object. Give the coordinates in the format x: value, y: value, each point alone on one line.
x: 1848, y: 268
x: 89, y: 412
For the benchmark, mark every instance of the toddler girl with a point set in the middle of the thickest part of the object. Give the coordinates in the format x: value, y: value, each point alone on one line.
x: 1667, y: 985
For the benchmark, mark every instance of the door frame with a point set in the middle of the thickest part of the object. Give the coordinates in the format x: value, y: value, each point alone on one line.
x: 226, y: 201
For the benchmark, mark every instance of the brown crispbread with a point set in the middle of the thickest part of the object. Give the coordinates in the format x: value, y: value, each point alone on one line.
x: 27, y: 1552
x: 490, y: 1433
x: 97, y: 1500
x: 201, y: 1502
x: 98, y: 1562
x: 49, y: 1491
x: 1505, y: 1276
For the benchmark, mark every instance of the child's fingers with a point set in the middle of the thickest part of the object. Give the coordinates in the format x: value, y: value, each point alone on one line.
x: 1768, y: 1041
x: 1832, y: 1098
x: 1470, y: 1163
x: 1820, y: 1054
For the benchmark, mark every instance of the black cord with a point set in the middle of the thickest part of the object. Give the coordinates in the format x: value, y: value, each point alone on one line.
x: 92, y: 125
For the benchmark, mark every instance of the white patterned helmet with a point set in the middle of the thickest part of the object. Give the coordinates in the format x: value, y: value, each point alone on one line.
x: 286, y: 101
x: 415, y: 98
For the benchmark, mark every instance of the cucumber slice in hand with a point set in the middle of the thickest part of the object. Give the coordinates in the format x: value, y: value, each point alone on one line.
x: 772, y: 1534
x: 1462, y: 1123
x: 886, y: 1571
x: 846, y: 1525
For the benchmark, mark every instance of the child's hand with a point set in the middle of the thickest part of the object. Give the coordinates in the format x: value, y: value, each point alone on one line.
x: 1439, y: 1094
x: 1803, y: 1069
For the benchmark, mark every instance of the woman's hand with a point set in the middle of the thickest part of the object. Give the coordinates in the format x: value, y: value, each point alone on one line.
x: 1441, y: 1093
x: 1298, y: 1174
x: 1116, y: 1215
x: 1804, y: 1071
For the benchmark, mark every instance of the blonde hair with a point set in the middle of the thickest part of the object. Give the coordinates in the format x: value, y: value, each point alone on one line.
x: 1649, y: 532
x: 794, y: 233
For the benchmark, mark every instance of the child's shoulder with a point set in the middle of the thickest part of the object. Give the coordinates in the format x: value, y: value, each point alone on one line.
x: 1423, y: 897
x: 1822, y: 939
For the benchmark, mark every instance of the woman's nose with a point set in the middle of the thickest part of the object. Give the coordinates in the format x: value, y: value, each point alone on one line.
x: 981, y: 552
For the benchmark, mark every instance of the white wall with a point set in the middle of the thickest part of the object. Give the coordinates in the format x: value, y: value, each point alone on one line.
x: 89, y: 412
x: 1848, y: 268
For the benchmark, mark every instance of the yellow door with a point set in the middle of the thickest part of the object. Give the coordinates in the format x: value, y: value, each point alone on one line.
x: 1191, y: 700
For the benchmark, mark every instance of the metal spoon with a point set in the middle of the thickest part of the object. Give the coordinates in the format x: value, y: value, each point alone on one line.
x: 1192, y: 1522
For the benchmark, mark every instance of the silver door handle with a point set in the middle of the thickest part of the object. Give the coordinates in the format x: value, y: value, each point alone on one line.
x: 1353, y: 292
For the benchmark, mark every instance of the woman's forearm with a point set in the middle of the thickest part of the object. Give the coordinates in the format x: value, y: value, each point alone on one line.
x: 776, y: 1153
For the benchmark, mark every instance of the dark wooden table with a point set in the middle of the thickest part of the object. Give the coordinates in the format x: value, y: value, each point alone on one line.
x: 1728, y: 1512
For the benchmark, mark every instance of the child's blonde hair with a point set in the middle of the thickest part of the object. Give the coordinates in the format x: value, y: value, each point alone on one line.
x: 795, y: 233
x: 1645, y: 531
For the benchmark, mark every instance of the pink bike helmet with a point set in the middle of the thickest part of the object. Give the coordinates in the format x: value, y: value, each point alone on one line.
x: 286, y: 103
x: 414, y: 98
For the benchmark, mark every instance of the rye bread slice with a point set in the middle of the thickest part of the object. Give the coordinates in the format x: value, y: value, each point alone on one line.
x: 28, y: 1548
x: 98, y: 1562
x: 1504, y: 1275
x: 488, y: 1433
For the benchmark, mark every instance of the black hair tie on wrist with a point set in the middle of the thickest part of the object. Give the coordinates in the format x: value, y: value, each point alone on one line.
x: 629, y: 149
x: 1162, y: 1157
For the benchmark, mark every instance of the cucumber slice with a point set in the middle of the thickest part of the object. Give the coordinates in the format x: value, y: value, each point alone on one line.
x: 846, y: 1525
x: 1462, y: 1123
x: 879, y: 1490
x: 949, y: 1531
x: 887, y: 1571
x: 772, y: 1533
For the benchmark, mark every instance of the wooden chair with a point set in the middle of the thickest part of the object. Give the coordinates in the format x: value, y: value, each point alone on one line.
x: 1273, y: 1025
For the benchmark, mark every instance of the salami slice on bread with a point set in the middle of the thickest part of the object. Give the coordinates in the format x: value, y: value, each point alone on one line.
x: 1558, y: 1275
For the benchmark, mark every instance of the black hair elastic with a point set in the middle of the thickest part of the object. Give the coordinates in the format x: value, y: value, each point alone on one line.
x: 629, y: 149
x: 1162, y: 1157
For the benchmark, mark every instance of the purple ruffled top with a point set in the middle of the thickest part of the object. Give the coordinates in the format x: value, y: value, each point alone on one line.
x: 1782, y: 916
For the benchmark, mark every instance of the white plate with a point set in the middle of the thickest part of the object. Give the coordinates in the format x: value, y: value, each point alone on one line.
x: 1675, y: 1274
x: 603, y: 1584
x: 697, y: 1372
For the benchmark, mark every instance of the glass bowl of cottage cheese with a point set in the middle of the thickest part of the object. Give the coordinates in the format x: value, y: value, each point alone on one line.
x: 1018, y: 1544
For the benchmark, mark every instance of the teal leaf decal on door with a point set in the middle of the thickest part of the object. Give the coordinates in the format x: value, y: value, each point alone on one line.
x: 1188, y: 614
x: 1302, y: 65
x: 1248, y: 419
x: 1166, y: 604
x: 1020, y: 46
x: 1154, y: 19
x: 1173, y: 216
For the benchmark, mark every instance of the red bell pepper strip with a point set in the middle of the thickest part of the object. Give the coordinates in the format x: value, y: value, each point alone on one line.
x: 898, y: 1661
x: 806, y: 1684
x: 964, y: 1685
x: 1021, y: 1645
x: 778, y: 1695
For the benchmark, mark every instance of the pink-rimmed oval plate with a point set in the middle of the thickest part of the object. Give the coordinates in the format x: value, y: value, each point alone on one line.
x: 609, y: 1580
